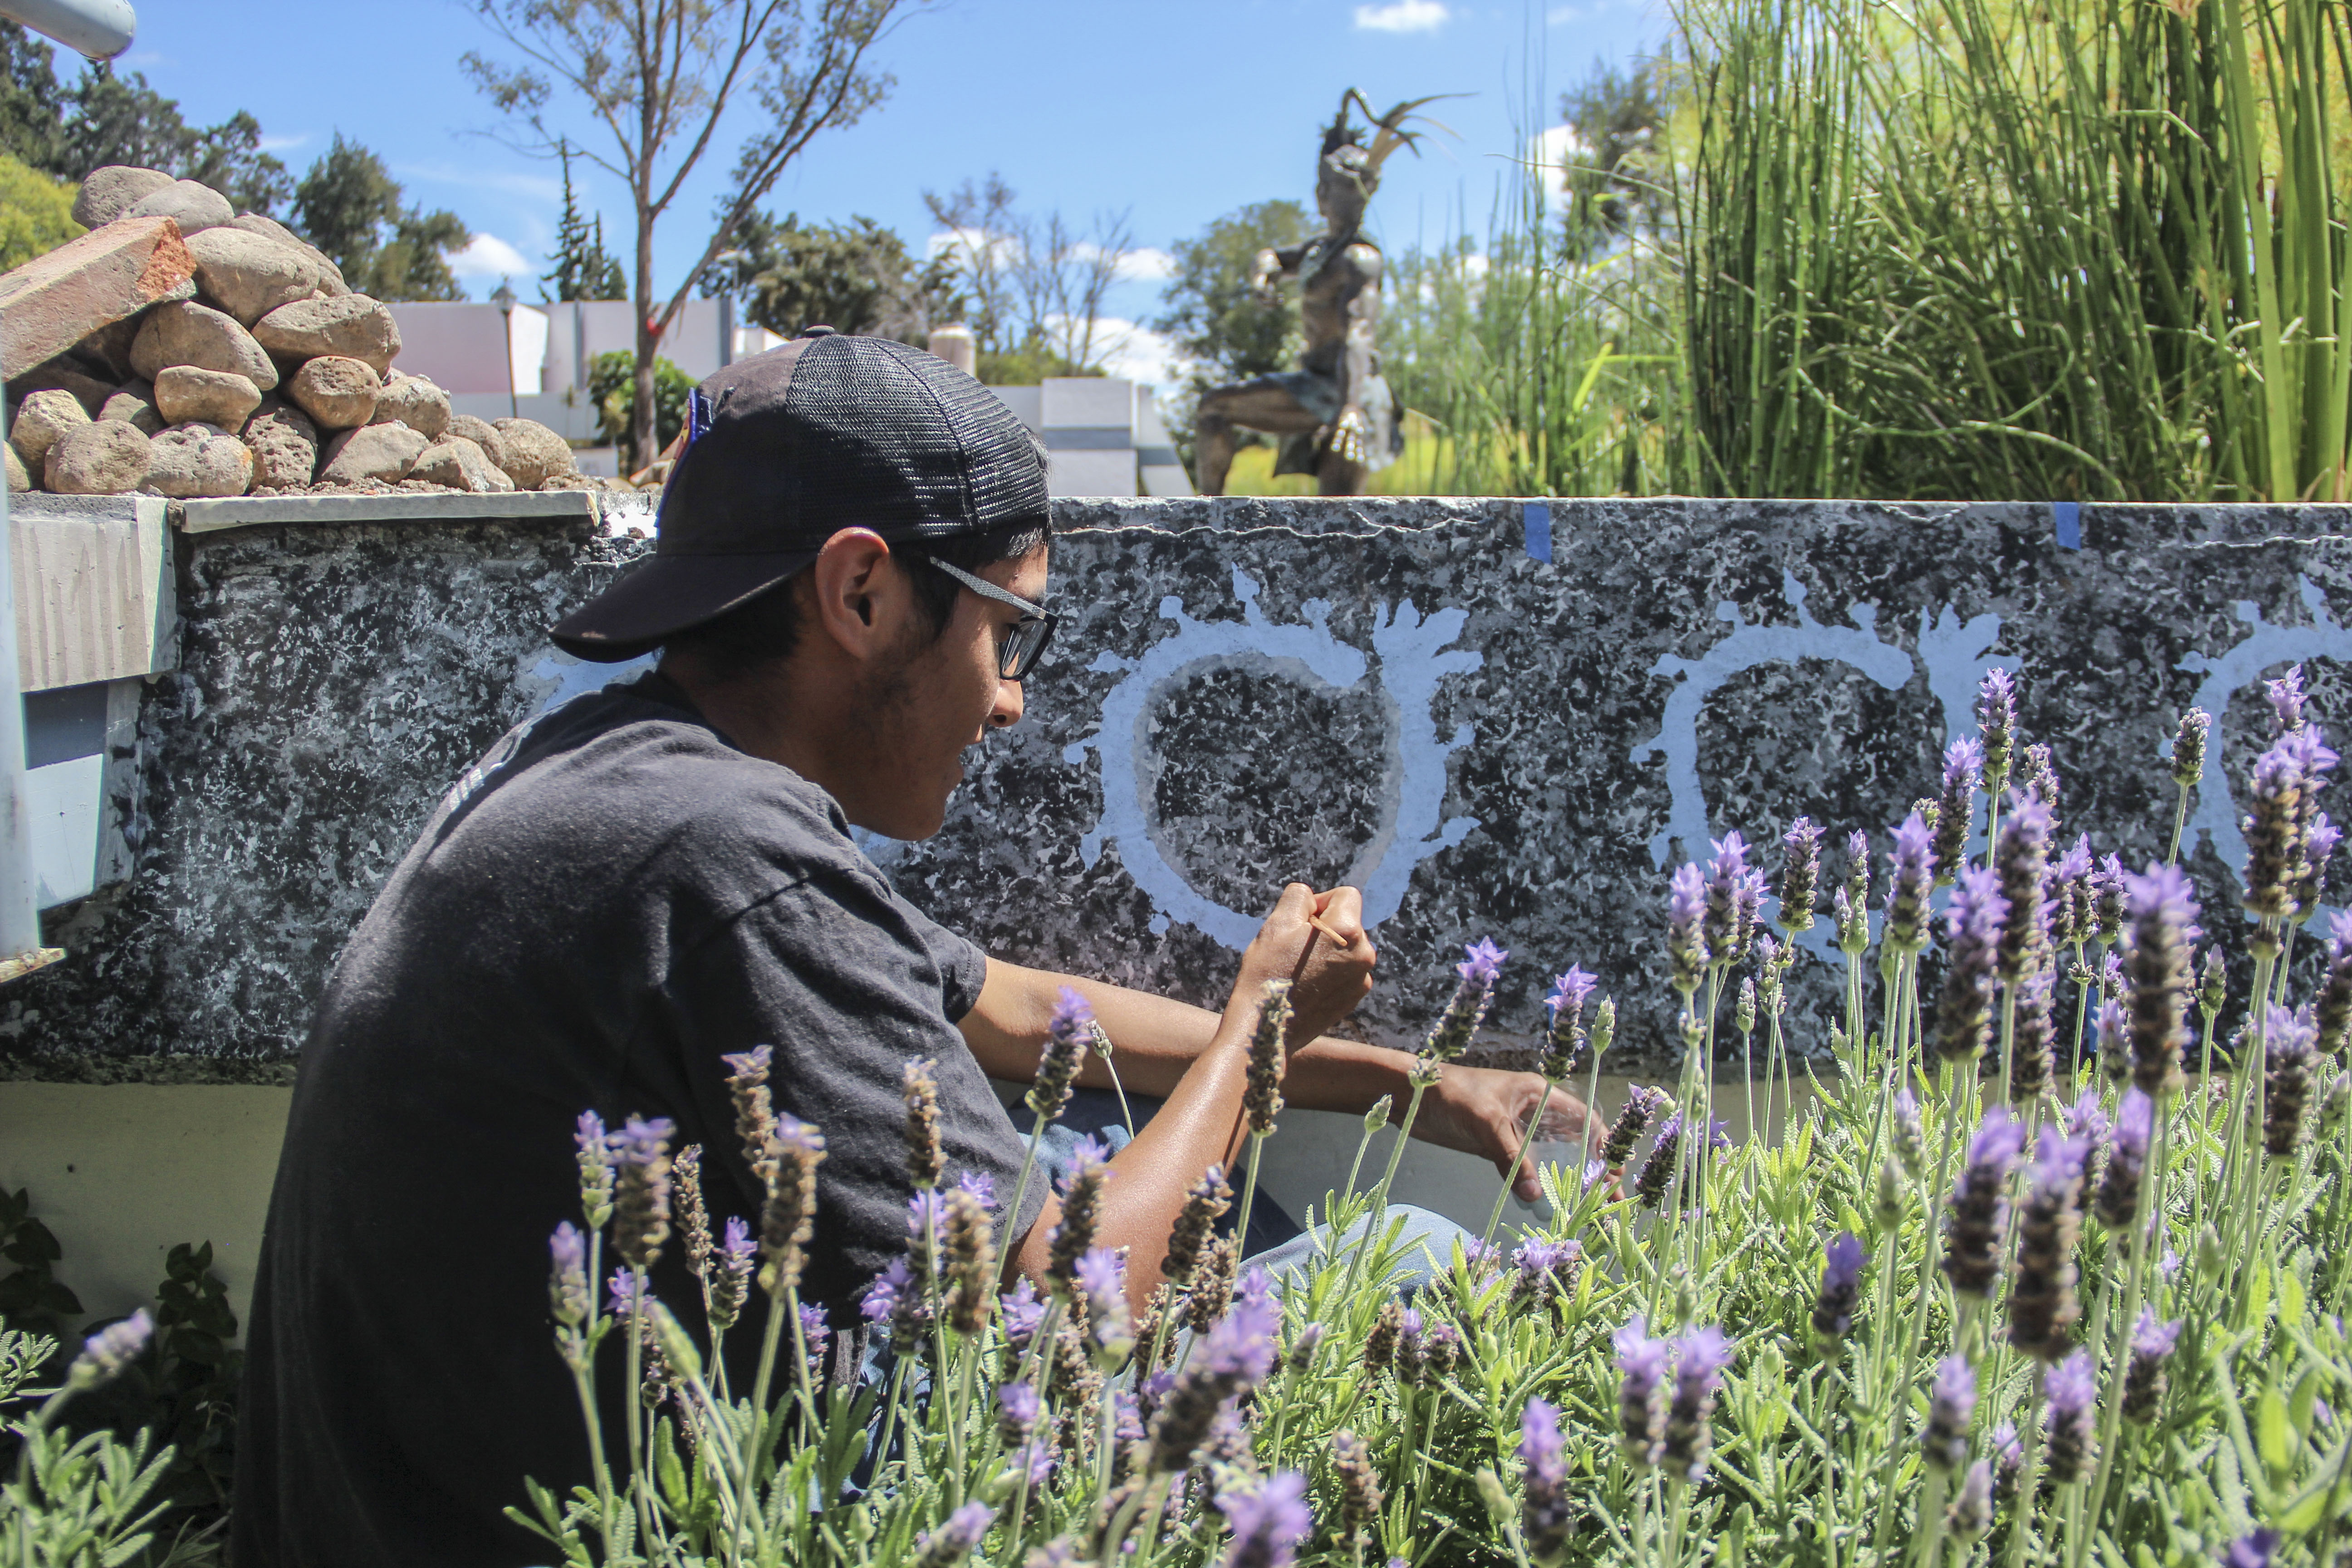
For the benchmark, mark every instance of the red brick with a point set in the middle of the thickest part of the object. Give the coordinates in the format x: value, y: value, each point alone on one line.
x: 54, y: 302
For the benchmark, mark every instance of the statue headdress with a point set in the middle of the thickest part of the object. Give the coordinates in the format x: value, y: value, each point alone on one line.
x: 1389, y: 132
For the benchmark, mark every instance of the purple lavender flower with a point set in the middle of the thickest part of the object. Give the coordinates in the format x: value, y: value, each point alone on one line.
x: 956, y: 1538
x: 1747, y: 898
x: 1642, y: 1393
x: 1978, y: 1214
x: 1235, y: 1355
x: 2034, y: 1043
x: 1910, y: 1145
x: 1642, y: 1106
x: 1956, y: 808
x: 2070, y: 897
x: 1268, y: 1523
x: 2008, y: 1450
x: 1018, y: 1409
x: 105, y: 1353
x: 980, y: 1184
x: 921, y: 1092
x: 2251, y: 1550
x: 2115, y: 1041
x: 2145, y: 1383
x: 788, y: 1218
x: 1022, y: 1313
x: 2155, y: 963
x: 567, y: 1286
x: 1658, y: 1170
x: 1686, y: 947
x: 1207, y: 1199
x: 2287, y: 1053
x: 1564, y: 1036
x: 2070, y: 1426
x: 595, y: 1153
x: 2189, y: 748
x: 1256, y: 1288
x: 1972, y: 943
x: 1544, y: 1512
x: 1997, y: 725
x: 897, y: 1299
x: 1700, y: 1358
x: 1069, y: 1032
x: 2318, y: 849
x: 1950, y: 1408
x: 1546, y: 1270
x: 2287, y: 780
x: 2286, y: 698
x: 1851, y: 904
x: 1102, y: 1287
x: 621, y: 1294
x: 2022, y: 859
x: 1303, y: 1346
x: 641, y: 1194
x: 2042, y: 1304
x: 1908, y: 885
x: 1800, y: 874
x: 1719, y: 925
x: 2119, y: 1185
x: 1971, y: 1514
x: 2332, y: 1008
x: 2087, y: 1120
x: 2038, y: 777
x: 1074, y: 1237
x: 1840, y: 1281
x: 1480, y: 965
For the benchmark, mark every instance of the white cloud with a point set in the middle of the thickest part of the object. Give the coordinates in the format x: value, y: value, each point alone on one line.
x: 282, y: 144
x: 1142, y: 354
x: 488, y: 256
x: 1148, y: 265
x: 1549, y: 150
x: 1403, y: 16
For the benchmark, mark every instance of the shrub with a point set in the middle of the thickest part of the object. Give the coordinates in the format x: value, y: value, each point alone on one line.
x: 2025, y: 1282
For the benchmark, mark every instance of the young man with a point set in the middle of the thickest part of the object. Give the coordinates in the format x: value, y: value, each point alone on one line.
x: 848, y: 594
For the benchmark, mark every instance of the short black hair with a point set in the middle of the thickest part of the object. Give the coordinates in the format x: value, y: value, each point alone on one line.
x: 765, y: 631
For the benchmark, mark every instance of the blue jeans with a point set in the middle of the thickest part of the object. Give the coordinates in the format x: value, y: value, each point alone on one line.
x: 1277, y: 1242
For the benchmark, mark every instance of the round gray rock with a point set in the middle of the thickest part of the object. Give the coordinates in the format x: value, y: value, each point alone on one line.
x: 41, y: 419
x: 331, y: 277
x: 284, y: 446
x: 338, y: 394
x: 372, y: 452
x: 133, y: 404
x: 482, y: 434
x: 194, y: 207
x: 184, y: 332
x: 191, y: 460
x: 108, y: 459
x: 462, y: 466
x: 185, y: 394
x: 106, y: 194
x: 248, y: 275
x: 352, y: 326
x: 415, y: 403
x: 19, y: 481
x: 535, y: 454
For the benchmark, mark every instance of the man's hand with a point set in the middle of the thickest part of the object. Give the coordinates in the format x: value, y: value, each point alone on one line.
x: 1482, y: 1111
x: 1329, y: 969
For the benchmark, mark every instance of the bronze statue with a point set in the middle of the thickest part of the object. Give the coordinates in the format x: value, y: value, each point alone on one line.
x: 1334, y: 413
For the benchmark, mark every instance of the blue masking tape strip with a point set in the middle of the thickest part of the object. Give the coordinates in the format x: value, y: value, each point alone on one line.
x: 2068, y: 517
x: 1538, y: 521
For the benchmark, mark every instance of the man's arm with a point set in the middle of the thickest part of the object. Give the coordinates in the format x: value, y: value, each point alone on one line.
x: 1474, y: 1109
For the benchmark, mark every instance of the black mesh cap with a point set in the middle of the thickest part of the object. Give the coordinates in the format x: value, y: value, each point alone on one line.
x: 785, y: 449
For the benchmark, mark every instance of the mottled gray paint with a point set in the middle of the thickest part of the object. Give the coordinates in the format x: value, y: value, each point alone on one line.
x: 1394, y: 690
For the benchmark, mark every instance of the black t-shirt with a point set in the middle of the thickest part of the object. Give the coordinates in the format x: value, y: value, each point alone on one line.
x: 606, y: 904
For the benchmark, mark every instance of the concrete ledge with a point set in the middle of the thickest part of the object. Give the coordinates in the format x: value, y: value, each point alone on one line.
x: 95, y: 598
x: 261, y: 511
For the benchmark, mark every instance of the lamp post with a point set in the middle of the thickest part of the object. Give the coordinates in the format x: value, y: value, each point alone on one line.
x: 505, y: 300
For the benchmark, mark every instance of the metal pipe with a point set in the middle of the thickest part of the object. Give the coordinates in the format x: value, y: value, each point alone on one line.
x: 98, y: 28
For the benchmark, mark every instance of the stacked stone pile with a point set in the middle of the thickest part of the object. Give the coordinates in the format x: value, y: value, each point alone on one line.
x: 186, y: 350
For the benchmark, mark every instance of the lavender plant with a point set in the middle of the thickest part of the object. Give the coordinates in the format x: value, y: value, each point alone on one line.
x: 2048, y: 1271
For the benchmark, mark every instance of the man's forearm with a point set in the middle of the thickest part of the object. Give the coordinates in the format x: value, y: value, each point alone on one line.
x: 1157, y: 1039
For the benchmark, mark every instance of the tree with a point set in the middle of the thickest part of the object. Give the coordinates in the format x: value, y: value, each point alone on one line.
x: 35, y: 213
x: 583, y: 269
x: 661, y: 76
x: 613, y: 392
x: 107, y: 118
x: 855, y: 277
x: 349, y: 205
x: 1035, y: 285
x: 1226, y: 329
x: 1615, y: 186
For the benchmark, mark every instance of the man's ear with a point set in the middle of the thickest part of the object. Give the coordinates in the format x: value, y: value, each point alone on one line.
x: 856, y: 591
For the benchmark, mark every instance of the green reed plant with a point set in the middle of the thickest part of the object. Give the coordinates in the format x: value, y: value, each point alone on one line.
x: 2017, y: 1287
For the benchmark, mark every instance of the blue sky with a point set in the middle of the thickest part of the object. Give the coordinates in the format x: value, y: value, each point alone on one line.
x: 1174, y: 114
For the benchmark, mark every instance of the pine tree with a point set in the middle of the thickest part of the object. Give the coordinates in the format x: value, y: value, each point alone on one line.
x: 583, y: 269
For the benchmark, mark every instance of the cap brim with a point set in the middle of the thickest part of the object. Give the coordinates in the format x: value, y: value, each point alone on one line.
x: 666, y: 594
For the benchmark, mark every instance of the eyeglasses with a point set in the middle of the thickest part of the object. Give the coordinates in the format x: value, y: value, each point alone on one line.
x: 1029, y: 634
